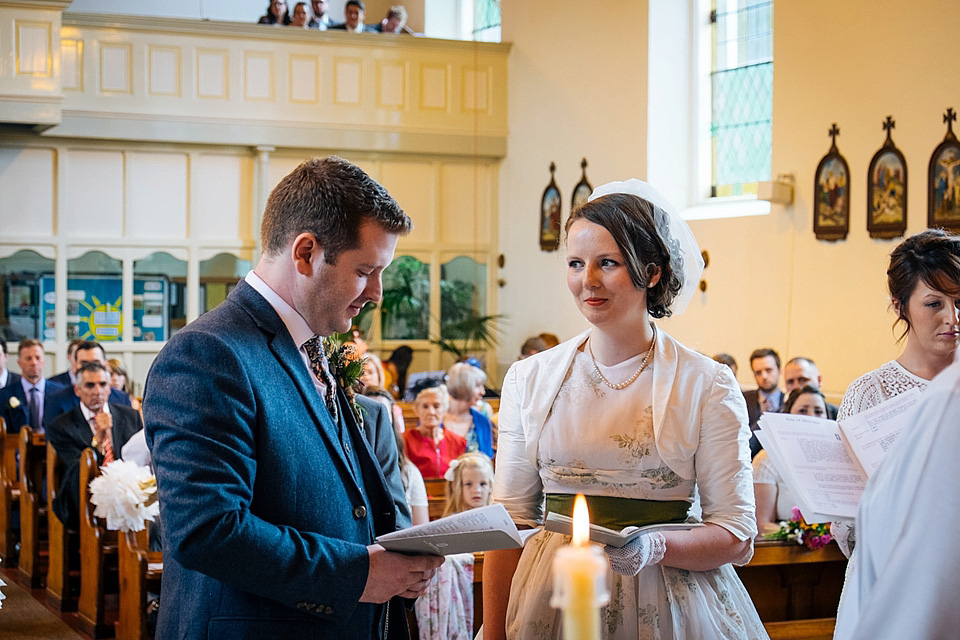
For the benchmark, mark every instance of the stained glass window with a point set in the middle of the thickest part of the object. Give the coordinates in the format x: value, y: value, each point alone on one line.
x: 486, y: 20
x: 741, y: 122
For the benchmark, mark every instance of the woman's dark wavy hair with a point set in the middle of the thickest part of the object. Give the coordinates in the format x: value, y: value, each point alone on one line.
x: 799, y: 391
x: 639, y: 229
x: 931, y: 256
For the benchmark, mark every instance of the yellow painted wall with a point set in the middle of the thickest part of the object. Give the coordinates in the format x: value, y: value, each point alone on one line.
x: 771, y: 283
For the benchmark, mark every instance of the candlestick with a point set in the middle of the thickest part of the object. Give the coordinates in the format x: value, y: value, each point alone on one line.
x: 580, y: 579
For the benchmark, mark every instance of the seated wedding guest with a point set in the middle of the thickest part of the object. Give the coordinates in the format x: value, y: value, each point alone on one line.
x: 923, y: 279
x: 395, y: 371
x: 299, y: 15
x: 799, y: 372
x: 415, y: 491
x: 120, y: 380
x: 907, y: 570
x: 27, y: 401
x: 430, y: 446
x: 465, y: 385
x: 68, y: 378
x: 354, y: 12
x: 531, y: 346
x: 640, y: 424
x: 765, y: 365
x: 773, y: 497
x: 276, y: 14
x: 395, y: 21
x: 445, y: 610
x: 550, y: 339
x: 7, y: 377
x: 373, y: 377
x: 319, y: 18
x: 95, y: 423
x: 727, y: 359
x: 66, y: 398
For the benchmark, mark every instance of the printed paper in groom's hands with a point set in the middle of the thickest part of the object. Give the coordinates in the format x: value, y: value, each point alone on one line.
x: 483, y: 529
x: 826, y: 464
x: 564, y: 524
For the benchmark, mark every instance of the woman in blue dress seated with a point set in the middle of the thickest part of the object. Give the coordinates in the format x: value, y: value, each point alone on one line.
x: 465, y: 385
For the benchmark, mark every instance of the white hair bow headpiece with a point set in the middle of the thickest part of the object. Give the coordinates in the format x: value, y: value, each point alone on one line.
x: 684, y: 251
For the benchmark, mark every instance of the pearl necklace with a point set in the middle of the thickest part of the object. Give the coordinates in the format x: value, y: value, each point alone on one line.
x: 628, y: 381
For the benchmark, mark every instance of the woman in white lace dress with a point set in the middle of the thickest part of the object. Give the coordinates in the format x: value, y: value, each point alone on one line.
x: 640, y: 424
x: 924, y: 283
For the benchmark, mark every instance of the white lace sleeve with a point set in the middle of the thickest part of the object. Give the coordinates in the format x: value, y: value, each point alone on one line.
x: 863, y: 393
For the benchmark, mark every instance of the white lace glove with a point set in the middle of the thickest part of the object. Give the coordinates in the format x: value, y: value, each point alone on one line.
x: 845, y: 533
x: 640, y: 552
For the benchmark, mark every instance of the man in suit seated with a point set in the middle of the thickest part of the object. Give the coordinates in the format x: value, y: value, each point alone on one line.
x: 354, y: 11
x: 28, y: 401
x: 270, y: 495
x: 394, y: 22
x: 765, y: 364
x: 95, y: 423
x: 7, y: 377
x: 799, y: 372
x: 66, y: 399
x: 68, y: 378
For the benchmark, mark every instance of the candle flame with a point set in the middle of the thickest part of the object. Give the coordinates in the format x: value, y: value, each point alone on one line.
x: 581, y: 522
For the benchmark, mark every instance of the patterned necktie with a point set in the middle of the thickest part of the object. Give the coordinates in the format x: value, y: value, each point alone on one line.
x: 321, y: 369
x: 107, y: 443
x: 34, y: 403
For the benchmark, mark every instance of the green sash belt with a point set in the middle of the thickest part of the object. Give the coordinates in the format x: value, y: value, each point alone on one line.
x: 617, y: 513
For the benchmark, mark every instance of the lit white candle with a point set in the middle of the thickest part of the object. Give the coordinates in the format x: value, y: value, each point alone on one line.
x: 580, y: 580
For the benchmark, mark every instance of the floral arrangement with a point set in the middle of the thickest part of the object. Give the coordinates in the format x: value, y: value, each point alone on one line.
x: 346, y: 366
x: 812, y: 536
x: 125, y: 494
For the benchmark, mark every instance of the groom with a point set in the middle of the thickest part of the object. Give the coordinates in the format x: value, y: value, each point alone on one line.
x: 269, y: 493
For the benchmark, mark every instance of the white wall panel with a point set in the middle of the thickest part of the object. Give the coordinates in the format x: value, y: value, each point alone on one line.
x: 26, y: 191
x: 413, y: 186
x: 116, y: 73
x: 212, y: 77
x: 433, y: 87
x: 391, y: 88
x: 71, y: 64
x: 164, y: 72
x: 258, y: 75
x: 465, y: 204
x: 34, y: 51
x: 157, y: 195
x: 304, y: 79
x: 347, y: 80
x: 93, y: 203
x: 220, y: 198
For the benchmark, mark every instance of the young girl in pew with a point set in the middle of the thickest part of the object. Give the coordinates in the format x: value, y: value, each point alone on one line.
x: 445, y: 610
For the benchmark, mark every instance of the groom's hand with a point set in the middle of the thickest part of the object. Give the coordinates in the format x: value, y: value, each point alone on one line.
x: 395, y: 574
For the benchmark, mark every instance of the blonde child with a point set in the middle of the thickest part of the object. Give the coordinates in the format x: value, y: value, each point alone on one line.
x: 445, y: 610
x: 471, y: 483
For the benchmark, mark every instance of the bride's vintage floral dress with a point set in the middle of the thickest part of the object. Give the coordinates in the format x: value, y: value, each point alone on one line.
x: 600, y: 441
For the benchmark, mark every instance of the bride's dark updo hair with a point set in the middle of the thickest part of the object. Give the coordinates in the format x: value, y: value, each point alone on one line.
x: 640, y: 230
x: 931, y: 256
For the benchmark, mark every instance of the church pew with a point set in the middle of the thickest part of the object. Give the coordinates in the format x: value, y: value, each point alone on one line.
x: 33, y: 510
x: 98, y: 556
x: 9, y: 496
x: 63, y: 544
x: 796, y: 590
x: 140, y: 572
x: 436, y: 496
